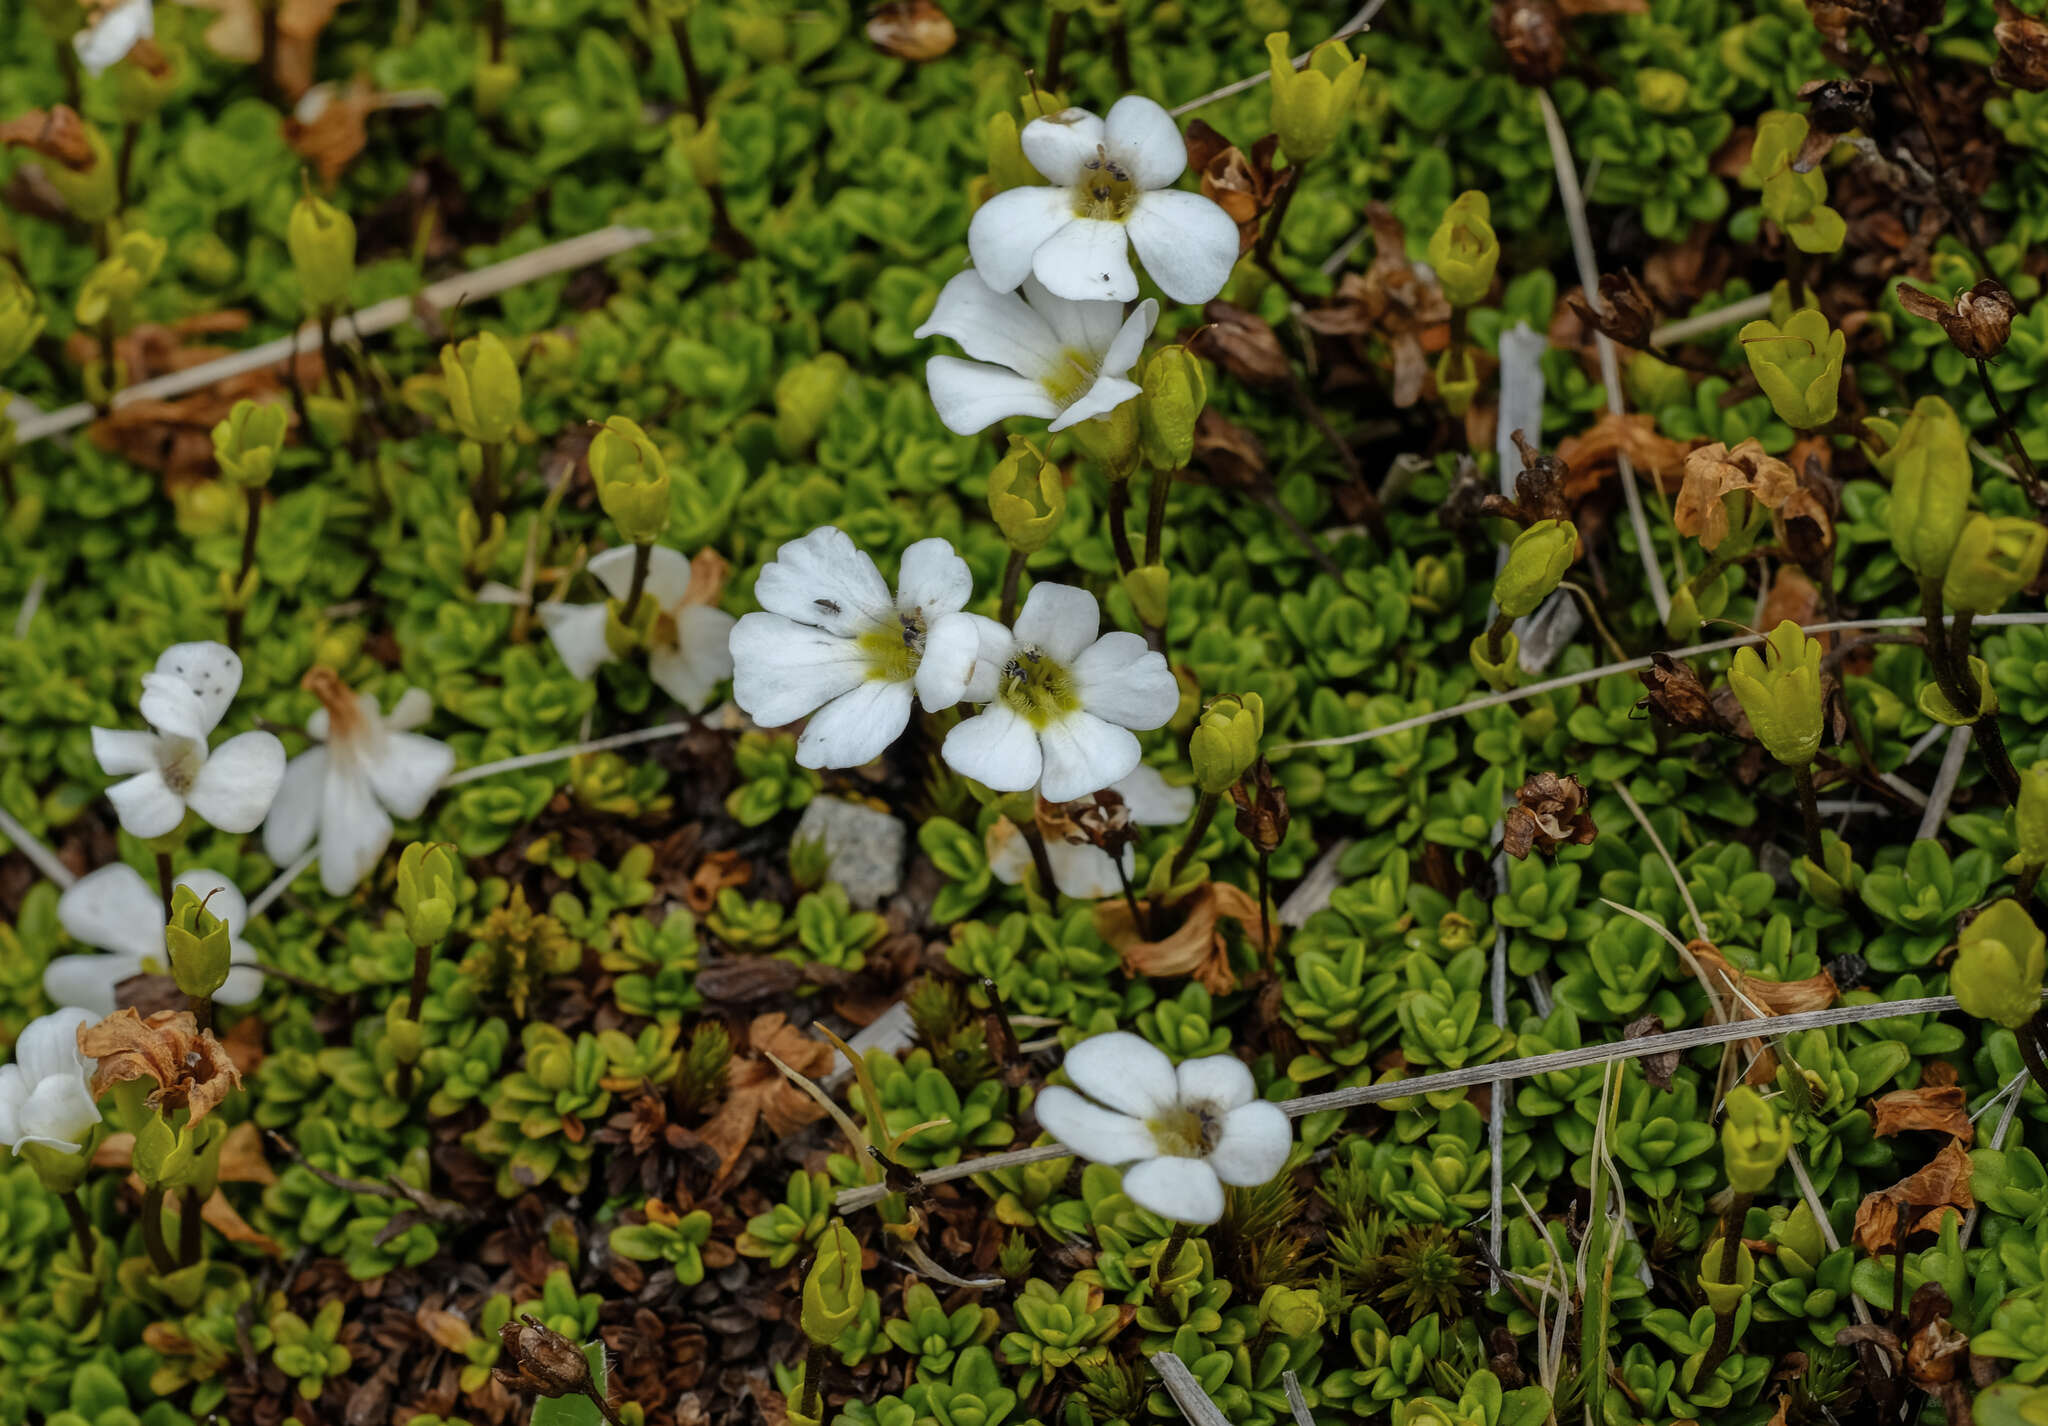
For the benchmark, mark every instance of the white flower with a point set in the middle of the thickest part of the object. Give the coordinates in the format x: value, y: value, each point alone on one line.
x: 1111, y: 181
x: 1080, y: 869
x: 1061, y: 702
x: 834, y: 644
x: 1065, y: 361
x: 689, y: 656
x: 46, y: 1094
x: 118, y: 29
x: 370, y: 769
x: 184, y: 701
x: 116, y: 910
x: 1183, y: 1133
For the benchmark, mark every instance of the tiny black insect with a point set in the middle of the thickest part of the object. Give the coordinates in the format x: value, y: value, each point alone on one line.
x: 829, y: 606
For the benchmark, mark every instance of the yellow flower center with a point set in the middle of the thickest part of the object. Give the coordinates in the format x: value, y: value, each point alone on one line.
x: 1105, y: 190
x: 1069, y: 377
x: 1037, y: 689
x: 1185, y: 1133
x: 894, y: 650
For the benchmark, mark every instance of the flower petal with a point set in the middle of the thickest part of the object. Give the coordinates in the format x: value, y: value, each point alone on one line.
x: 996, y: 748
x: 1129, y: 342
x: 1256, y: 1139
x: 1058, y: 620
x: 114, y: 909
x: 1142, y: 136
x: 1151, y: 800
x: 1119, y: 679
x: 414, y: 707
x: 1084, y: 872
x: 1187, y: 243
x: 971, y: 396
x: 997, y: 646
x: 933, y: 580
x: 408, y: 770
x: 668, y: 573
x: 1089, y: 260
x: 992, y: 326
x: 118, y: 31
x: 295, y: 811
x: 244, y: 982
x: 173, y: 709
x: 234, y: 788
x: 354, y: 831
x: 700, y: 660
x: 577, y: 632
x: 1088, y: 327
x: 825, y: 579
x: 87, y: 982
x: 1185, y: 1190
x: 48, y: 1046
x: 1083, y: 755
x: 1126, y: 1072
x: 782, y: 669
x: 854, y: 728
x: 213, y: 672
x: 219, y: 896
x: 1103, y: 396
x: 59, y: 1112
x: 951, y: 646
x: 1005, y: 232
x: 1060, y: 144
x: 121, y: 752
x: 1091, y: 1131
x: 146, y: 805
x: 1221, y: 1082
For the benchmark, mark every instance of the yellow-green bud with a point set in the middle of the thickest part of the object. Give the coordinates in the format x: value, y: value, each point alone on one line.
x: 1111, y: 441
x: 1175, y: 391
x: 1146, y: 585
x: 322, y: 240
x: 2030, y: 821
x: 1457, y: 380
x: 20, y: 323
x: 1464, y: 251
x: 632, y: 480
x: 1929, y: 463
x: 483, y: 388
x: 1026, y: 497
x: 1536, y: 563
x: 91, y: 193
x: 56, y: 1170
x: 199, y: 944
x: 1292, y: 1311
x: 495, y: 78
x: 1994, y: 558
x: 405, y: 1038
x: 141, y: 90
x: 1755, y: 1138
x: 804, y: 397
x: 111, y: 288
x: 1799, y: 366
x: 1225, y: 742
x: 1936, y: 705
x: 1781, y: 693
x: 429, y: 887
x: 1311, y: 104
x: 1662, y: 91
x: 247, y: 443
x: 1503, y: 673
x: 2001, y: 958
x: 833, y: 1289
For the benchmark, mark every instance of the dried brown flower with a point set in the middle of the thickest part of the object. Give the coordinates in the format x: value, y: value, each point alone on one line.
x: 1243, y: 344
x: 2022, y: 49
x: 1262, y: 814
x: 1623, y: 313
x: 1539, y: 489
x: 1231, y: 454
x: 1532, y: 33
x: 1393, y: 300
x: 1978, y: 322
x: 1677, y: 696
x: 189, y: 1066
x: 1834, y: 107
x: 1550, y: 811
x: 1713, y: 473
x: 543, y: 1361
x: 916, y: 30
x: 56, y: 133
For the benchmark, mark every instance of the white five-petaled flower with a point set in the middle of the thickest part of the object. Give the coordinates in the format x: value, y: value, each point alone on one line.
x: 690, y: 654
x: 1181, y: 1134
x: 116, y: 910
x: 1035, y: 355
x: 117, y: 29
x: 833, y: 643
x: 170, y: 768
x: 1061, y: 702
x: 1110, y: 191
x: 1081, y: 869
x: 369, y: 768
x: 46, y: 1094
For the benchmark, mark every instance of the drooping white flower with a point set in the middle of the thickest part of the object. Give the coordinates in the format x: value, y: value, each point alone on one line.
x: 369, y: 768
x: 1081, y: 869
x: 117, y: 29
x: 170, y: 768
x: 1111, y: 190
x: 123, y: 915
x: 1035, y: 354
x: 1181, y: 1134
x: 1061, y: 702
x: 46, y: 1094
x: 690, y: 654
x: 833, y: 643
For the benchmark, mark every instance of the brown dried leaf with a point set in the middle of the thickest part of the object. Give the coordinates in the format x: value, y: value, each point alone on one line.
x: 188, y: 1065
x: 336, y: 131
x: 1593, y: 454
x: 1243, y: 344
x: 1792, y: 596
x: 1678, y: 697
x: 1942, y: 1186
x: 1196, y: 947
x: 1713, y: 473
x: 916, y: 30
x: 238, y: 35
x: 756, y: 1092
x: 1944, y: 1109
x: 56, y: 133
x: 2022, y: 49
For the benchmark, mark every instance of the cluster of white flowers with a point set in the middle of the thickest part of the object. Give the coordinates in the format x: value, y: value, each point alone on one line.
x: 1058, y: 704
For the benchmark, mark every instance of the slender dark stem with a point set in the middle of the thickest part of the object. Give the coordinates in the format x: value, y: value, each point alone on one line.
x: 191, y: 1226
x: 814, y: 1381
x: 1961, y: 212
x: 1013, y: 574
x: 153, y: 1233
x: 604, y: 1407
x: 1265, y: 908
x: 1950, y: 654
x: 1120, y: 524
x: 1169, y: 1256
x: 2029, y: 1037
x: 485, y: 496
x: 1139, y: 924
x: 165, y: 882
x: 1055, y: 46
x: 267, y: 72
x: 1810, y: 810
x: 1373, y: 514
x: 1120, y: 53
x: 253, y: 521
x: 81, y: 1228
x: 2022, y: 463
x: 328, y: 365
x: 422, y: 962
x: 1205, y: 813
x: 1041, y: 860
x: 643, y: 557
x: 1269, y: 231
x: 2029, y: 878
x: 110, y: 362
x: 1155, y: 514
x: 7, y: 487
x: 67, y: 63
x: 1496, y: 632
x: 1724, y: 1272
x: 1271, y: 500
x: 494, y: 26
x: 1795, y: 285
x: 125, y: 164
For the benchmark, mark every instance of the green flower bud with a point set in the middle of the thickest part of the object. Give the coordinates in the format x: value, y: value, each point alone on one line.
x: 20, y: 323
x: 1994, y: 558
x: 1536, y: 563
x: 1225, y: 742
x: 1292, y: 1311
x: 90, y: 192
x: 1146, y: 586
x: 1799, y: 366
x: 804, y: 397
x: 199, y: 945
x: 1175, y: 390
x: 1438, y: 583
x: 1111, y: 441
x: 247, y: 443
x: 142, y: 90
x: 1755, y: 1138
x: 1311, y: 104
x: 632, y: 480
x: 429, y: 886
x: 1457, y: 380
x: 1026, y: 497
x: 1929, y: 464
x: 833, y: 1290
x: 1504, y: 674
x: 1781, y: 693
x: 111, y: 288
x: 1935, y: 704
x: 2030, y: 820
x: 1662, y: 91
x: 322, y: 240
x: 1464, y: 251
x: 56, y: 1170
x: 1654, y: 383
x: 2001, y: 958
x: 483, y: 388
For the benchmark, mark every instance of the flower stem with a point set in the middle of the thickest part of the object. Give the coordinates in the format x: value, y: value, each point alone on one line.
x: 1495, y: 633
x: 484, y: 495
x: 1040, y: 859
x: 2029, y: 878
x: 1724, y: 1272
x: 1056, y: 46
x: 125, y: 164
x: 1265, y: 908
x: 422, y: 961
x: 191, y: 1226
x: 1170, y: 1254
x: 1949, y: 652
x: 110, y: 362
x: 1205, y: 813
x: 1013, y: 573
x: 1139, y: 923
x: 1809, y: 809
x: 643, y: 556
x: 81, y: 1228
x: 1269, y: 231
x: 1120, y: 525
x: 2022, y: 463
x: 165, y: 882
x: 1155, y: 514
x: 2029, y: 1037
x: 251, y: 523
x: 153, y: 1233
x: 814, y: 1381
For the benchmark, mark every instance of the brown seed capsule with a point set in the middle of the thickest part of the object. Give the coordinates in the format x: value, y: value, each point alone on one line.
x: 1532, y: 33
x: 1978, y: 322
x: 1550, y: 811
x: 916, y: 30
x: 1262, y: 814
x: 543, y: 1360
x: 1834, y: 107
x: 2022, y: 49
x: 1678, y: 697
x: 1623, y: 314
